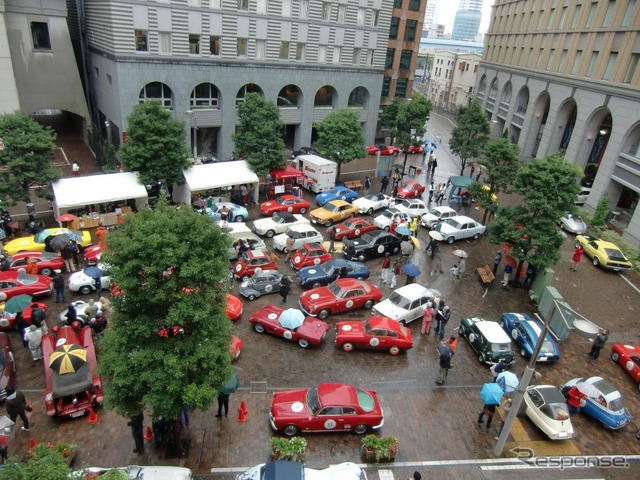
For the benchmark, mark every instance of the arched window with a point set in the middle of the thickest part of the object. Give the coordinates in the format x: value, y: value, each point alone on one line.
x: 493, y: 91
x: 205, y: 95
x: 483, y: 85
x: 358, y: 98
x: 506, y: 94
x: 289, y: 96
x: 157, y: 91
x: 248, y: 88
x: 325, y: 97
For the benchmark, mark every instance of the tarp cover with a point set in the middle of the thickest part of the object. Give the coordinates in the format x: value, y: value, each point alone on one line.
x: 71, y: 383
x: 216, y: 175
x: 93, y: 189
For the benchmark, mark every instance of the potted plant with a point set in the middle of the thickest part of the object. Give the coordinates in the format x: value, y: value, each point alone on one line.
x: 379, y: 448
x: 292, y: 449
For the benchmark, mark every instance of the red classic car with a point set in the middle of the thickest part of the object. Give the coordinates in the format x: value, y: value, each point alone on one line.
x: 93, y: 253
x: 415, y: 148
x: 329, y: 407
x: 628, y: 356
x: 352, y: 228
x: 7, y: 319
x: 246, y: 265
x: 7, y: 367
x: 290, y: 324
x: 285, y: 203
x: 47, y: 262
x: 342, y: 295
x: 234, y: 307
x: 309, y: 254
x: 236, y: 347
x: 14, y: 283
x: 72, y: 384
x: 410, y: 189
x: 379, y: 333
x: 383, y: 149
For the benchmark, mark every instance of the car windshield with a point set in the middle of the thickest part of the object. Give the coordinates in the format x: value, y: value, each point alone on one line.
x: 245, y: 257
x: 557, y: 411
x: 500, y: 347
x: 614, y: 254
x: 616, y: 404
x: 350, y: 223
x: 27, y: 279
x: 330, y: 207
x: 336, y: 290
x: 335, y: 191
x: 277, y: 218
x: 367, y: 238
x: 399, y: 300
x: 547, y: 346
x: 365, y: 400
x: 313, y: 402
x: 406, y: 204
x: 293, y: 234
x: 372, y: 197
x: 389, y: 214
x: 435, y: 212
x: 452, y: 222
x: 281, y: 200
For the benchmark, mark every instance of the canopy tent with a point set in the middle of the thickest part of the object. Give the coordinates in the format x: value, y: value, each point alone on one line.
x: 457, y: 182
x: 199, y: 178
x: 94, y: 189
x: 287, y: 173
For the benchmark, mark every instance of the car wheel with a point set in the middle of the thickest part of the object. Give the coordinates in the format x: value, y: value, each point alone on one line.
x: 316, y: 285
x: 395, y: 250
x: 244, y: 278
x: 362, y: 258
x: 344, y: 198
x: 502, y: 324
x: 329, y: 223
x: 303, y: 342
x: 46, y: 271
x: 270, y: 234
x: 258, y: 327
x: 290, y: 430
x: 370, y: 211
x: 394, y: 350
x: 481, y: 358
x: 368, y: 304
x: 596, y: 262
x: 523, y: 353
x: 285, y: 250
x: 450, y: 240
x: 615, y: 356
x: 303, y: 211
x: 85, y: 290
x: 239, y: 218
x: 360, y: 429
x: 476, y: 236
x: 387, y: 228
x: 347, y: 347
x: 251, y: 297
x: 323, y: 314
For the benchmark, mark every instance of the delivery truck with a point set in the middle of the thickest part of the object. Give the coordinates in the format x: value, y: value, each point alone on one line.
x: 319, y: 173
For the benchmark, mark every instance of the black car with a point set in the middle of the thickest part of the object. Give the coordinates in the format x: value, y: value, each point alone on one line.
x: 371, y: 245
x: 304, y: 151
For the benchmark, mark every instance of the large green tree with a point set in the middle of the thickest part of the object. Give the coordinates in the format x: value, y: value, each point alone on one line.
x: 155, y: 145
x: 470, y: 136
x: 340, y: 137
x: 406, y: 119
x: 258, y: 137
x: 25, y: 158
x: 167, y: 346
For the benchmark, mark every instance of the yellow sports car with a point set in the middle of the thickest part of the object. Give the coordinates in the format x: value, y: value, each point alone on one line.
x: 333, y: 211
x: 36, y: 243
x: 604, y: 253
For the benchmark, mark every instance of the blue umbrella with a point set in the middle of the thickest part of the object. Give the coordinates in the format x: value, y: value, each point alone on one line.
x: 42, y: 235
x: 411, y: 270
x: 491, y: 393
x: 93, y: 272
x: 74, y: 235
x: 291, y: 318
x: 508, y: 381
x: 403, y: 231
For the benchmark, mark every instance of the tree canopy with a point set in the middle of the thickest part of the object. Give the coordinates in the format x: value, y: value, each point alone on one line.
x: 340, y: 137
x: 401, y: 117
x: 258, y: 138
x: 155, y: 145
x: 25, y: 158
x: 470, y: 136
x: 167, y: 346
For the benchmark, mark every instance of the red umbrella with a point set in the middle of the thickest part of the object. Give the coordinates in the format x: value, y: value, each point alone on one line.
x: 67, y: 217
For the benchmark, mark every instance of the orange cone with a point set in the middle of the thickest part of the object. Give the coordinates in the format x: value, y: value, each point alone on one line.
x: 243, y: 407
x: 93, y: 416
x: 149, y: 435
x: 242, y: 415
x: 32, y: 442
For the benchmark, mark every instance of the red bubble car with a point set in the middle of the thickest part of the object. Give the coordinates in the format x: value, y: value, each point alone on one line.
x: 290, y: 324
x: 410, y: 189
x: 285, y: 203
x: 309, y: 254
x: 352, y: 228
x: 342, y: 295
x: 377, y: 333
x: 234, y: 307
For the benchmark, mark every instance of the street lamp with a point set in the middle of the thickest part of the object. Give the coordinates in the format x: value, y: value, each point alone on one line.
x: 194, y: 132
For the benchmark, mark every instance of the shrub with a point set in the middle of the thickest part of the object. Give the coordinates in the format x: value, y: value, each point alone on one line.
x: 602, y: 210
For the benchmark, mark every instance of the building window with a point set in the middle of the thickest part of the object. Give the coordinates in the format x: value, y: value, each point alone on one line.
x: 370, y: 56
x: 592, y: 14
x: 243, y: 5
x: 563, y: 17
x: 194, y: 3
x: 286, y: 8
x: 397, y: 3
x: 362, y: 13
x: 388, y: 62
x: 410, y: 30
x: 300, y: 51
x: 164, y: 42
x: 405, y: 59
x: 304, y: 8
x: 631, y: 70
x: 552, y: 56
x: 157, y: 91
x: 385, y: 86
x: 613, y: 57
x: 563, y: 60
x: 337, y: 52
x: 322, y: 53
x: 609, y: 15
x: 357, y: 53
x: 284, y: 50
x: 194, y: 44
x: 342, y: 13
x: 241, y: 47
x: 375, y: 18
x: 401, y: 87
x: 326, y: 11
x: 261, y: 48
x: 109, y: 79
x: 414, y: 5
x: 214, y: 45
x: 393, y: 29
x: 212, y: 3
x: 204, y: 95
x: 576, y: 16
x: 40, y: 36
x: 592, y: 63
x: 142, y: 45
x: 628, y: 14
x: 576, y: 63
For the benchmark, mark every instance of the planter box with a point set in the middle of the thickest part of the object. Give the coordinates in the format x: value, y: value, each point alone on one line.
x: 370, y: 456
x: 299, y: 458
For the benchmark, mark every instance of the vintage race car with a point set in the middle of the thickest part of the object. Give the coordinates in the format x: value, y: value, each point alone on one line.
x: 13, y: 283
x: 352, y: 228
x: 329, y: 407
x: 36, y: 243
x: 313, y: 277
x: 343, y: 295
x: 336, y: 193
x: 7, y: 366
x: 386, y: 219
x: 419, y: 148
x: 410, y: 189
x: 459, y: 228
x: 237, y: 213
x: 7, y: 319
x: 285, y: 203
x: 262, y: 283
x: 373, y: 201
x: 247, y: 264
x: 413, y: 207
x: 235, y: 348
x: 605, y: 254
x: 603, y: 402
x: 435, y: 215
x: 332, y: 212
x: 273, y: 320
x: 378, y: 333
x: 278, y: 223
x: 255, y: 243
x: 93, y: 253
x: 309, y: 254
x: 490, y: 342
x: 572, y: 223
x: 383, y: 149
x: 371, y: 245
x: 406, y: 303
x: 548, y: 409
x: 300, y: 234
x: 80, y: 307
x: 525, y: 332
x: 628, y: 356
x: 85, y: 284
x: 70, y: 392
x: 233, y: 308
x: 47, y: 262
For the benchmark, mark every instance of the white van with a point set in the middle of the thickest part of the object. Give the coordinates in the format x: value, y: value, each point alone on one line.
x: 319, y: 173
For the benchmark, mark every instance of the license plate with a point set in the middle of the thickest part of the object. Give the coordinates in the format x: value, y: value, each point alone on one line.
x: 77, y: 414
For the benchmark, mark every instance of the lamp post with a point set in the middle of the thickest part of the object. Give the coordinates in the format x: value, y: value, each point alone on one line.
x: 194, y: 133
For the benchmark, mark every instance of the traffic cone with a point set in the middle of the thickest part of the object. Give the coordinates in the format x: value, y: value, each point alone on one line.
x: 93, y: 416
x: 149, y: 435
x: 243, y: 407
x: 242, y: 415
x: 32, y: 442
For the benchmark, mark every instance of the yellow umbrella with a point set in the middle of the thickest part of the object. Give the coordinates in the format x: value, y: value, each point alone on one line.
x: 416, y: 242
x: 67, y: 359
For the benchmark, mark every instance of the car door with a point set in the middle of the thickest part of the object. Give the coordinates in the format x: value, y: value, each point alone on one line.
x: 520, y: 335
x: 415, y: 310
x: 329, y: 418
x: 377, y: 338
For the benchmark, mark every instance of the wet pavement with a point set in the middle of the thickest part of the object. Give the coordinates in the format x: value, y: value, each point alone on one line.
x: 435, y: 425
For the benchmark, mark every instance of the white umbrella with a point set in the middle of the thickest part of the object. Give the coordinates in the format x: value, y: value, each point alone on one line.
x: 508, y: 381
x: 436, y: 235
x: 460, y: 253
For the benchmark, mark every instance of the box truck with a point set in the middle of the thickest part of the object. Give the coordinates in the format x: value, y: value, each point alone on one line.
x: 319, y: 173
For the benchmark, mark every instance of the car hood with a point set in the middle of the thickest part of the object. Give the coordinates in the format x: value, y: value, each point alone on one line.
x: 362, y: 202
x: 317, y: 296
x: 355, y: 243
x: 264, y: 223
x: 321, y: 213
x: 349, y: 329
x: 390, y: 310
x: 313, y: 328
x: 311, y: 272
x: 289, y: 402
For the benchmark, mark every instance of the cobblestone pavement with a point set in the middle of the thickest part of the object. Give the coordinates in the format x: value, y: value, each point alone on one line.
x: 435, y: 425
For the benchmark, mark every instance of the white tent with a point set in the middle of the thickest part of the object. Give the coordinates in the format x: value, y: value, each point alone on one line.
x: 199, y: 178
x: 76, y: 192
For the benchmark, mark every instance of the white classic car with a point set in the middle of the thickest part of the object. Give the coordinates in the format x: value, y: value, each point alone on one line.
x: 548, y: 409
x: 414, y: 207
x: 460, y: 227
x: 406, y: 303
x: 372, y: 202
x: 297, y: 471
x: 83, y: 283
x: 301, y: 234
x: 386, y: 218
x: 435, y: 215
x: 277, y: 223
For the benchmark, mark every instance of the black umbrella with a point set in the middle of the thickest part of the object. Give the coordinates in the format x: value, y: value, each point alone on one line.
x: 58, y: 242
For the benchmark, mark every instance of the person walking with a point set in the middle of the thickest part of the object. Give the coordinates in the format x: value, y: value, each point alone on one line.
x: 598, y: 343
x: 21, y: 326
x: 454, y: 271
x: 285, y: 286
x: 445, y: 363
x: 489, y: 410
x: 437, y: 259
x: 440, y: 194
x: 506, y: 406
x: 34, y: 337
x: 577, y: 256
x: 332, y: 238
x: 395, y: 273
x: 462, y: 267
x: 438, y: 306
x: 414, y: 226
x: 16, y: 405
x: 137, y: 431
x: 385, y: 273
x: 105, y: 306
x: 496, y: 262
x: 430, y: 164
x: 289, y: 244
x: 394, y: 192
x: 428, y: 313
x: 367, y: 185
x: 58, y: 285
x: 433, y: 167
x: 97, y: 282
x: 507, y: 272
x: 445, y: 316
x: 431, y: 191
x: 384, y: 183
x: 67, y: 257
x: 452, y: 341
x: 223, y: 402
x: 75, y: 168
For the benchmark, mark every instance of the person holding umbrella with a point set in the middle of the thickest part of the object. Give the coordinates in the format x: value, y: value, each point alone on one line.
x: 67, y: 257
x: 226, y: 390
x: 445, y: 353
x: 491, y: 395
x: 411, y: 271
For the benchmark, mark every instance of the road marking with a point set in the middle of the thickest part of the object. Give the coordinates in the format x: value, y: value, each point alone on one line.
x: 630, y: 284
x: 57, y: 164
x: 385, y: 475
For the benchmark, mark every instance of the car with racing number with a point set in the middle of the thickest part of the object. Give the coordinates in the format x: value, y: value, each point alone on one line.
x: 410, y: 189
x: 459, y: 228
x: 38, y: 242
x: 325, y: 273
x: 47, y: 262
x: 413, y: 207
x: 435, y: 215
x: 332, y: 212
x: 300, y: 234
x: 278, y: 223
x: 261, y: 283
x: 14, y: 283
x: 603, y: 253
x: 488, y: 339
x: 628, y: 356
x: 338, y: 192
x: 285, y: 203
x: 276, y: 321
x: 371, y: 245
x: 389, y: 216
x: 376, y: 333
x: 351, y: 228
x: 373, y: 201
x: 342, y: 295
x: 251, y: 260
x: 525, y: 332
x: 309, y: 254
x: 405, y: 304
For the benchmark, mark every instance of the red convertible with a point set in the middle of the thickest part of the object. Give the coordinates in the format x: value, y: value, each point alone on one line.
x: 342, y: 295
x: 352, y: 228
x: 290, y: 324
x: 628, y: 356
x: 285, y: 203
x: 329, y: 407
x: 410, y: 189
x: 383, y: 149
x: 415, y: 148
x: 7, y: 320
x: 47, y: 262
x: 378, y: 333
x: 246, y: 265
x: 93, y: 253
x: 7, y: 367
x: 14, y: 283
x: 72, y: 384
x: 309, y: 254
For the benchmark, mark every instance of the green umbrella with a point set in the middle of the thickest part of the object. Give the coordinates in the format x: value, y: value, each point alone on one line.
x: 232, y: 384
x: 17, y: 303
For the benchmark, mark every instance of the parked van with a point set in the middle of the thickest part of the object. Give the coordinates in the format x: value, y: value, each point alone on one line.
x: 488, y: 339
x: 319, y: 173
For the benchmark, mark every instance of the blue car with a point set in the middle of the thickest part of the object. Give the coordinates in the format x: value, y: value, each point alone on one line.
x: 602, y: 401
x: 237, y: 213
x: 336, y: 193
x: 319, y: 275
x: 525, y: 331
